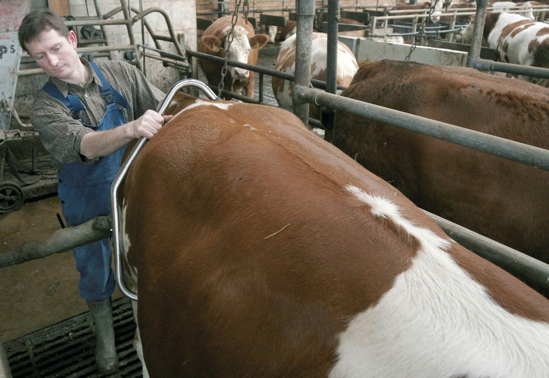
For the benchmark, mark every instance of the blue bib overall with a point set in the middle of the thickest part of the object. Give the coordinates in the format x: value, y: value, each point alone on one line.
x: 84, y: 191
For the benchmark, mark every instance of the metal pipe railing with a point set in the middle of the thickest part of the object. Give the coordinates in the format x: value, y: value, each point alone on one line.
x: 119, y: 179
x: 511, y: 260
x: 305, y: 23
x: 508, y: 149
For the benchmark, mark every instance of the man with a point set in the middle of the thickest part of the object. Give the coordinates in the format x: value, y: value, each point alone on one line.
x: 85, y: 115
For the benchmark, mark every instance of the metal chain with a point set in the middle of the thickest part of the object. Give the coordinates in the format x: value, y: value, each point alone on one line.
x: 421, y: 30
x: 230, y: 39
x: 246, y: 9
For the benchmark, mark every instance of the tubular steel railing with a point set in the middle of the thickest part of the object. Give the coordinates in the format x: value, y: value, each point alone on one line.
x: 119, y: 179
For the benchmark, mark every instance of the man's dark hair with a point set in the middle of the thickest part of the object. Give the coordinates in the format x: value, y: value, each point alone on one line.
x: 36, y: 22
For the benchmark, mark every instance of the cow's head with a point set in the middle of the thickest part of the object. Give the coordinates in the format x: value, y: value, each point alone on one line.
x: 435, y: 17
x: 240, y: 48
x: 271, y: 32
x: 467, y: 33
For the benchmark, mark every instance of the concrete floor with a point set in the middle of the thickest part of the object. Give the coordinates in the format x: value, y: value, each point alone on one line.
x: 37, y: 293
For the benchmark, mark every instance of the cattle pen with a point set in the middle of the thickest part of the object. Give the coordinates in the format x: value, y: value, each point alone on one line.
x: 67, y: 348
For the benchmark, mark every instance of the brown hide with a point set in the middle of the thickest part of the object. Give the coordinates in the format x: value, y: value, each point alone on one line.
x: 498, y: 198
x: 252, y: 257
x: 212, y: 42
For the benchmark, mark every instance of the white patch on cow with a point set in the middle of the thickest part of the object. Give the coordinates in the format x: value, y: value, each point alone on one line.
x: 133, y: 274
x: 347, y: 66
x: 199, y: 102
x: 518, y: 41
x: 126, y: 243
x: 284, y: 97
x: 137, y: 345
x: 239, y: 51
x: 249, y: 126
x: 271, y: 32
x: 437, y: 321
x: 435, y: 17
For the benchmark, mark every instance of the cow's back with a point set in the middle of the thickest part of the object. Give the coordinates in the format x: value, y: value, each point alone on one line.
x: 226, y: 243
x: 264, y: 251
x: 496, y: 197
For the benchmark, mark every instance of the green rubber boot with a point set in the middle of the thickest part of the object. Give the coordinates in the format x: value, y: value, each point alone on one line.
x: 105, y: 351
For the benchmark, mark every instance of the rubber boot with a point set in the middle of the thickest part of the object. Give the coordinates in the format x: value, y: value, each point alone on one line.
x: 105, y: 351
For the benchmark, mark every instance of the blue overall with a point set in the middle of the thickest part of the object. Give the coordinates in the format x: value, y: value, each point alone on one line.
x: 84, y: 191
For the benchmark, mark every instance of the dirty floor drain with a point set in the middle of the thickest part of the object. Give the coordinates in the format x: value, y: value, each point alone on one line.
x: 66, y: 349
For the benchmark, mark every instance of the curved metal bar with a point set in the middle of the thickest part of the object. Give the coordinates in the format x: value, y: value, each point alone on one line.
x: 119, y: 179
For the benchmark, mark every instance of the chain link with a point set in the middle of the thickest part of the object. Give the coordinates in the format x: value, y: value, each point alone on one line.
x: 421, y: 30
x: 230, y: 39
x: 246, y: 9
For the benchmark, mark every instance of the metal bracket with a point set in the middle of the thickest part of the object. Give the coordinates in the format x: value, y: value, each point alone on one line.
x: 119, y: 179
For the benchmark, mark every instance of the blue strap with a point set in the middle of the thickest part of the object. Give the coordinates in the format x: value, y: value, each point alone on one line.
x: 73, y: 103
x: 107, y: 92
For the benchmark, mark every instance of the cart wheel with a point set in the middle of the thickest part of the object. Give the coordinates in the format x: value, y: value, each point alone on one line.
x: 11, y: 197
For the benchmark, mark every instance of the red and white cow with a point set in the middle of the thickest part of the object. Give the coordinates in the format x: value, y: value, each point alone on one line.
x: 244, y: 49
x: 286, y: 31
x: 264, y: 251
x: 501, y: 199
x: 517, y: 39
x: 283, y: 89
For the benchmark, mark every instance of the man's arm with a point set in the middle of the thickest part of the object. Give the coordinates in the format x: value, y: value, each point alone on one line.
x: 102, y: 143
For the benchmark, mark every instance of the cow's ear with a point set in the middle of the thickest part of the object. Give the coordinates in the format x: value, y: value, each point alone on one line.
x: 212, y: 43
x: 258, y: 41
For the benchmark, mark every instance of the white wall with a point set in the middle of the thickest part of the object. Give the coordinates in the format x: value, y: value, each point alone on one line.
x: 181, y: 13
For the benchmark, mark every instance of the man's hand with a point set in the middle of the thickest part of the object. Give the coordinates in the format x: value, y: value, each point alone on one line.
x: 102, y: 143
x: 148, y: 124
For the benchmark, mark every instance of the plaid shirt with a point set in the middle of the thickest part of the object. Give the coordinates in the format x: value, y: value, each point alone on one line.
x: 61, y: 135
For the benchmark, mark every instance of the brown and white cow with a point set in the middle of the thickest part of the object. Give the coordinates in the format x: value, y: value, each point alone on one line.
x: 284, y: 32
x: 517, y: 39
x: 264, y: 251
x: 496, y: 197
x: 244, y: 49
x: 283, y: 89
